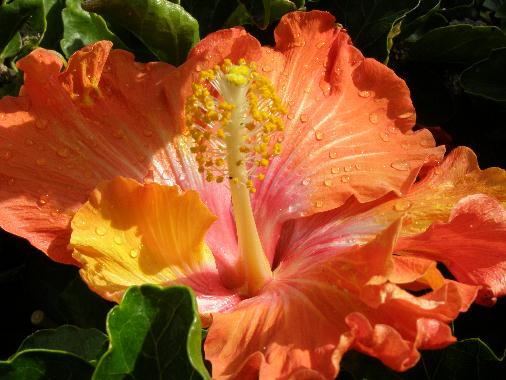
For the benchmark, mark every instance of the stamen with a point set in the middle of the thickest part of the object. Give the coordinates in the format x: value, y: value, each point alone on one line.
x: 234, y: 117
x: 257, y: 125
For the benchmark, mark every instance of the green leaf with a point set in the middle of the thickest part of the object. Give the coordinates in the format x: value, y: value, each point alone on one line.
x: 81, y: 28
x: 88, y: 344
x: 372, y: 23
x: 54, y: 30
x: 12, y: 48
x: 486, y: 78
x: 460, y: 44
x: 155, y: 334
x: 210, y: 14
x: 262, y: 13
x: 418, y: 17
x: 25, y: 17
x: 166, y: 29
x: 44, y: 365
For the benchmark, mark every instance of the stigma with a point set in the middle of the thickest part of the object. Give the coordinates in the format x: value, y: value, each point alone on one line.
x: 235, y: 119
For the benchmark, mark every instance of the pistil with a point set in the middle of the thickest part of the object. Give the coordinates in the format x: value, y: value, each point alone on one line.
x: 234, y: 118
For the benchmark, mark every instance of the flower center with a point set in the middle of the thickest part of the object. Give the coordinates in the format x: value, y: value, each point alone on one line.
x: 234, y: 117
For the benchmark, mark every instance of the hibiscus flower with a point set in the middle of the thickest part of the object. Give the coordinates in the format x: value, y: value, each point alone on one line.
x: 284, y: 185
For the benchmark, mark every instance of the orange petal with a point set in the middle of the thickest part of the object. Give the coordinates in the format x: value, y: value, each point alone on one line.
x: 104, y: 115
x: 348, y: 130
x: 422, y: 272
x: 347, y: 301
x: 130, y: 234
x: 472, y: 244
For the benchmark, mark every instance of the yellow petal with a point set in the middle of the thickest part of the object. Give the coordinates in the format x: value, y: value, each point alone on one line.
x: 129, y: 234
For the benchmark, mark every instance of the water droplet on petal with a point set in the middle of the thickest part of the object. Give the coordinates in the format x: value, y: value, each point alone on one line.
x: 134, y: 253
x: 43, y: 199
x: 347, y: 168
x: 345, y: 179
x: 299, y: 43
x: 41, y: 161
x: 166, y: 174
x: 198, y: 68
x: 327, y: 182
x: 318, y: 135
x: 149, y: 177
x: 364, y: 94
x: 6, y: 155
x: 332, y: 154
x: 320, y: 44
x: 63, y: 152
x: 334, y: 170
x: 80, y: 222
x: 290, y: 116
x: 266, y: 69
x: 373, y: 117
x: 400, y: 165
x: 100, y: 231
x: 402, y: 205
x: 319, y: 204
x: 303, y: 118
x: 306, y: 181
x: 405, y: 115
x: 325, y: 87
x: 307, y: 90
x: 118, y: 240
x: 384, y: 136
x: 358, y: 166
x: 118, y: 133
x: 41, y: 124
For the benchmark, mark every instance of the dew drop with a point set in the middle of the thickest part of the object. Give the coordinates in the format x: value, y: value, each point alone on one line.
x: 198, y: 68
x: 400, y: 165
x: 384, y: 136
x: 100, y: 231
x: 303, y: 118
x: 364, y: 94
x: 41, y: 124
x: 80, y: 222
x: 134, y: 253
x: 320, y: 44
x: 332, y: 154
x: 43, y: 199
x: 306, y: 181
x: 373, y: 117
x: 118, y: 133
x: 29, y: 142
x: 63, y: 152
x: 427, y: 142
x: 299, y: 43
x: 402, y: 205
x: 319, y: 204
x: 149, y: 177
x: 405, y: 115
x: 290, y: 116
x: 6, y: 155
x: 318, y: 135
x: 347, y: 168
x: 266, y: 69
x: 327, y: 182
x: 345, y: 179
x: 56, y: 212
x: 41, y: 161
x: 182, y: 177
x: 325, y: 87
x: 334, y: 170
x: 118, y: 240
x: 307, y: 90
x: 358, y: 166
